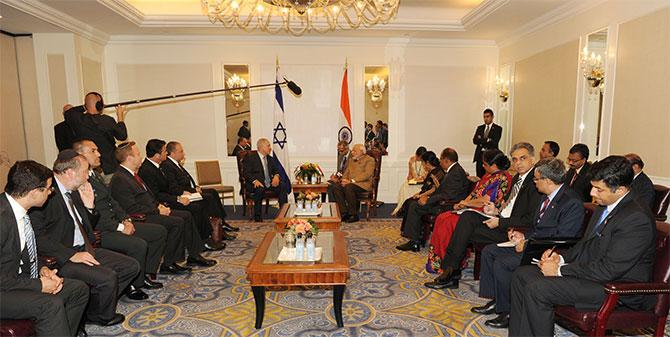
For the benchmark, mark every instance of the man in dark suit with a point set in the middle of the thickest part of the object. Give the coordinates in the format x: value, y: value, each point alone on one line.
x: 560, y: 215
x: 28, y: 291
x: 261, y: 174
x: 143, y: 241
x: 158, y: 184
x: 487, y: 136
x: 88, y: 122
x: 517, y: 210
x: 343, y: 155
x: 453, y: 187
x: 63, y: 133
x: 182, y: 183
x: 578, y: 175
x: 64, y: 230
x: 641, y: 185
x: 243, y: 144
x: 136, y: 199
x: 550, y: 149
x: 618, y: 246
x: 244, y: 130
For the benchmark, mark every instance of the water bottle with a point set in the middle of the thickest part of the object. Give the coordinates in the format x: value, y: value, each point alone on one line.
x: 310, y: 247
x: 299, y: 248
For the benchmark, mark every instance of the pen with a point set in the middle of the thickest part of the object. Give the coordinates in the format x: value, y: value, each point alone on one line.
x: 552, y: 250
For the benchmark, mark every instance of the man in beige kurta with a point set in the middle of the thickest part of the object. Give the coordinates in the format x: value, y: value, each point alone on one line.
x: 356, y: 178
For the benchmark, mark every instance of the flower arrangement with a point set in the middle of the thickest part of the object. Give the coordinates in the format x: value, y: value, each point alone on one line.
x: 297, y: 226
x: 307, y: 170
x: 308, y: 195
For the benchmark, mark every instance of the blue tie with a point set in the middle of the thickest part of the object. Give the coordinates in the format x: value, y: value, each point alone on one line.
x: 601, y: 220
x: 30, y: 244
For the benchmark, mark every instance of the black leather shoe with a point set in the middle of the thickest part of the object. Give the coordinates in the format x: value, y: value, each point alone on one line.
x: 228, y: 228
x: 188, y: 269
x: 199, y: 261
x: 117, y: 319
x: 136, y: 294
x: 228, y: 237
x: 149, y: 284
x: 448, y: 279
x: 486, y: 309
x: 500, y: 322
x: 212, y: 246
x: 81, y: 332
x: 353, y: 218
x: 173, y: 269
x: 409, y: 246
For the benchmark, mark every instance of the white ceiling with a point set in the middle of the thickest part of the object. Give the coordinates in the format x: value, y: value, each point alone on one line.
x: 102, y: 19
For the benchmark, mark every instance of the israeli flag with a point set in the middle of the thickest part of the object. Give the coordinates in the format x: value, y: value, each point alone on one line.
x: 280, y: 136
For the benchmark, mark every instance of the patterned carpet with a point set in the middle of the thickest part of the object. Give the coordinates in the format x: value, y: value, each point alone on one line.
x: 384, y: 297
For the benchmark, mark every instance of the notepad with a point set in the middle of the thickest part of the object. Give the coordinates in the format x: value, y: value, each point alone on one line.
x: 461, y: 211
x: 194, y: 197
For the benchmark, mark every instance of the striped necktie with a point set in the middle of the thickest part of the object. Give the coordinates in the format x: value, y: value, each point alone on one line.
x: 31, y: 246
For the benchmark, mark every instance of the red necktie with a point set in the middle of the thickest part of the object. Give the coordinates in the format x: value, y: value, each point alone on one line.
x: 139, y: 181
x: 544, y: 207
x: 574, y: 177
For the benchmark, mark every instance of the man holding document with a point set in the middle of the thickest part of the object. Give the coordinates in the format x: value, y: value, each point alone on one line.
x: 559, y: 215
x: 617, y: 246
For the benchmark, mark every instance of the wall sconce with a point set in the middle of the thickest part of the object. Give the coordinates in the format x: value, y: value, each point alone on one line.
x: 238, y: 85
x: 376, y: 88
x: 502, y: 87
x: 592, y: 66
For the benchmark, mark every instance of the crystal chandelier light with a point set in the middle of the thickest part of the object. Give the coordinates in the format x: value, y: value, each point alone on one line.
x: 592, y: 66
x: 376, y: 88
x: 238, y: 85
x: 299, y: 16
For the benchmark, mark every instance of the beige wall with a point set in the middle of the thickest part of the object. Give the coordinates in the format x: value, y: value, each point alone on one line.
x: 641, y: 117
x: 545, y: 89
x: 12, y: 136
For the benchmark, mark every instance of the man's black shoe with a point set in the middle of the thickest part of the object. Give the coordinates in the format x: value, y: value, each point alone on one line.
x: 353, y: 218
x: 448, y: 279
x: 228, y: 237
x: 212, y: 246
x: 199, y: 261
x: 136, y: 294
x: 117, y: 319
x: 486, y: 309
x: 173, y: 269
x: 500, y: 322
x: 228, y: 228
x: 149, y: 284
x: 81, y: 332
x: 409, y: 246
x: 188, y: 269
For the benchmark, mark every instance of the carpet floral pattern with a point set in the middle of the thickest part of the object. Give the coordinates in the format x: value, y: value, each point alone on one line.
x: 384, y: 297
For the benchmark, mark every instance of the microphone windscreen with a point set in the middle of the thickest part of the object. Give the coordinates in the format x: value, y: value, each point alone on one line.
x: 295, y: 89
x: 99, y: 106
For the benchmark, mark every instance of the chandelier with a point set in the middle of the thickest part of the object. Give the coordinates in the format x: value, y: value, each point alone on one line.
x: 376, y: 87
x: 503, y: 89
x: 238, y: 84
x: 299, y: 16
x: 592, y: 66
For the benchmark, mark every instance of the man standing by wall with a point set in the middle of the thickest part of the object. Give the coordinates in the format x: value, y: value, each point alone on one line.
x: 487, y: 136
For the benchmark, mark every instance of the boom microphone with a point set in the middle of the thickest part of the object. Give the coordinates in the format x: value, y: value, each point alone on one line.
x: 295, y: 89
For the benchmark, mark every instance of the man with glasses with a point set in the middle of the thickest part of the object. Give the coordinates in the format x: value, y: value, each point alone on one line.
x: 517, y: 210
x: 578, y: 176
x: 27, y: 290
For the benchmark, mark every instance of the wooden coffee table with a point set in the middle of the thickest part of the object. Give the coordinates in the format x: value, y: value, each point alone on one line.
x: 329, y: 219
x: 333, y: 270
x: 316, y: 188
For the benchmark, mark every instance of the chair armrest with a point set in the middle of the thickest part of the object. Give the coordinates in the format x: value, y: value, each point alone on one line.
x: 637, y: 288
x: 138, y: 217
x: 48, y: 261
x: 98, y: 238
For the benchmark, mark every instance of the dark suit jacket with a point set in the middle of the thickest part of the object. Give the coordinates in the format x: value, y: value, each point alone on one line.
x: 455, y: 186
x: 111, y: 213
x: 527, y: 202
x: 64, y: 135
x: 157, y: 183
x: 342, y: 166
x: 178, y: 178
x: 101, y: 129
x: 622, y: 252
x: 244, y: 132
x: 54, y: 227
x: 239, y: 149
x: 582, y: 184
x: 644, y: 190
x: 253, y: 169
x: 132, y: 197
x: 491, y: 142
x: 11, y: 254
x: 562, y: 219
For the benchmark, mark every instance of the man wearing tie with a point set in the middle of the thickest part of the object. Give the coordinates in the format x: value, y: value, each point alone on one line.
x: 243, y: 144
x: 578, y: 175
x: 617, y: 246
x: 487, y: 136
x: 343, y: 155
x: 260, y: 175
x: 26, y: 290
x: 64, y: 230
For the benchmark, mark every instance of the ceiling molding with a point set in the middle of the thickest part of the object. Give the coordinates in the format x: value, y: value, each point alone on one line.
x: 126, y: 10
x: 563, y: 12
x: 58, y: 18
x: 481, y: 12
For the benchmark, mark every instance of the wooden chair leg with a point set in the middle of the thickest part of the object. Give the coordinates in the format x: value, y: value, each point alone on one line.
x: 660, y: 326
x: 267, y: 206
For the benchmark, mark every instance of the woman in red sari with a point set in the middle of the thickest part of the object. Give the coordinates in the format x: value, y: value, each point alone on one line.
x: 492, y: 187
